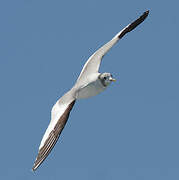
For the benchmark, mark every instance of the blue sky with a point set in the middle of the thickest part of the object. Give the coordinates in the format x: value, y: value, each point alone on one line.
x: 128, y: 132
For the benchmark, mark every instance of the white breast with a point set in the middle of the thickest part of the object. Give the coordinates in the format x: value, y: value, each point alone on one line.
x: 92, y: 89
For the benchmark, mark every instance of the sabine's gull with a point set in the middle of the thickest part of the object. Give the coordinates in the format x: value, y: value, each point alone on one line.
x: 89, y: 83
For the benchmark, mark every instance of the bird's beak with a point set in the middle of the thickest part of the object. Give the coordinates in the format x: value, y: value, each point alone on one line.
x: 112, y: 79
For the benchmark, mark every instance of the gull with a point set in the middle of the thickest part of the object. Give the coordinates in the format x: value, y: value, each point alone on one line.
x: 89, y: 83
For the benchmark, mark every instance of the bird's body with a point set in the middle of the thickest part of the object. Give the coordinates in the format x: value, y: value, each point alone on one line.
x: 89, y: 83
x: 92, y: 88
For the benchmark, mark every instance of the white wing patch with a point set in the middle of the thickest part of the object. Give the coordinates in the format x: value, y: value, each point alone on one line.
x: 57, y: 112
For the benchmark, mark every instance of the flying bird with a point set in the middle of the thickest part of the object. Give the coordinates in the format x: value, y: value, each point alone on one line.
x: 89, y: 83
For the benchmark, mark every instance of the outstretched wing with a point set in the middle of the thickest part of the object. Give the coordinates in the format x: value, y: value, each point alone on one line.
x: 93, y: 63
x: 60, y: 114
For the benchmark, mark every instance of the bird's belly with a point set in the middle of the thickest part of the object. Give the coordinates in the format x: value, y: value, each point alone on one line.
x: 90, y: 90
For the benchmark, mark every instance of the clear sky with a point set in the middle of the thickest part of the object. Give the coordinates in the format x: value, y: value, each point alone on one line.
x: 128, y: 132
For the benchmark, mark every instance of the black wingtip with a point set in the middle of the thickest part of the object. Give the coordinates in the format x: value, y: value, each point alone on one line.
x: 134, y: 24
x: 143, y: 17
x: 146, y: 13
x: 36, y: 165
x: 33, y: 169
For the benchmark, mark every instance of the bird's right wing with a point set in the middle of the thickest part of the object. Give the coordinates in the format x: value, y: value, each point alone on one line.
x: 60, y: 114
x: 93, y: 63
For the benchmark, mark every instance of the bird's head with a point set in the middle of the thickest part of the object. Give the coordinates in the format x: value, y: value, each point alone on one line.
x: 106, y: 79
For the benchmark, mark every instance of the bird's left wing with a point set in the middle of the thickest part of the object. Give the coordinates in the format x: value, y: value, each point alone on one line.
x: 93, y: 63
x: 60, y: 114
